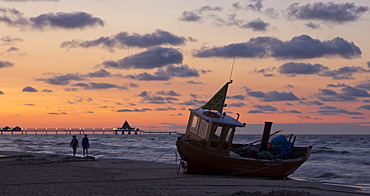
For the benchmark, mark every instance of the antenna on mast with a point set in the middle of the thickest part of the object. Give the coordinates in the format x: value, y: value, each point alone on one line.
x: 232, y: 69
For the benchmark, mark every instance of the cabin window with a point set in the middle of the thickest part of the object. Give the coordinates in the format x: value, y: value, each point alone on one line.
x: 194, y: 123
x: 217, y: 132
x: 203, y: 128
x: 229, y: 135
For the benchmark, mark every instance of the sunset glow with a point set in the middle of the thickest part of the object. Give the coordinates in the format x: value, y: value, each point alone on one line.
x: 97, y: 63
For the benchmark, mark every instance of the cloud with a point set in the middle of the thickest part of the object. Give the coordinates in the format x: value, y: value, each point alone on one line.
x: 157, y: 76
x: 167, y: 93
x: 239, y: 97
x: 256, y: 25
x: 80, y: 100
x: 365, y: 107
x: 364, y: 85
x: 273, y: 96
x: 311, y: 103
x: 190, y: 16
x: 257, y: 94
x: 328, y: 92
x: 301, y: 68
x: 358, y: 117
x: 81, y: 84
x: 182, y: 71
x: 329, y: 12
x: 255, y: 111
x: 171, y: 99
x: 62, y: 79
x: 331, y: 110
x: 299, y: 47
x: 289, y: 86
x: 147, y: 98
x: 336, y: 85
x: 165, y: 109
x: 71, y: 89
x: 343, y: 72
x: 57, y: 113
x: 12, y: 49
x: 265, y: 108
x: 256, y: 5
x: 238, y: 104
x: 74, y: 20
x: 124, y: 40
x: 197, y: 15
x: 294, y: 69
x: 131, y: 85
x: 328, y: 95
x: 98, y: 86
x: 272, y: 12
x: 193, y: 82
x: 266, y: 71
x: 207, y: 12
x: 292, y: 111
x: 29, y: 89
x: 313, y: 25
x: 66, y: 79
x: 47, y: 91
x: 88, y: 112
x: 9, y: 39
x: 149, y: 59
x: 166, y: 73
x: 103, y: 85
x: 4, y: 64
x: 354, y: 92
x: 193, y: 102
x: 100, y: 74
x: 134, y: 110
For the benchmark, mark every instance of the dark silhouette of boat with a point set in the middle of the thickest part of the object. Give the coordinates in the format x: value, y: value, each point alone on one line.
x: 207, y: 146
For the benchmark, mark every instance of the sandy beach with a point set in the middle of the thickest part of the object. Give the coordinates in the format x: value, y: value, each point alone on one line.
x: 46, y: 174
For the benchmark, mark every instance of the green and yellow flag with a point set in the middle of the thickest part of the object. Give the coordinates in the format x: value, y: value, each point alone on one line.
x: 218, y: 100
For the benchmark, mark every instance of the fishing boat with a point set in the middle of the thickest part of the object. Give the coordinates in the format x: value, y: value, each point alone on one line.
x: 207, y: 146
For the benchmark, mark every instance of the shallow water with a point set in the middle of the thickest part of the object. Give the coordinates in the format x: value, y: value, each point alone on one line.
x: 337, y: 159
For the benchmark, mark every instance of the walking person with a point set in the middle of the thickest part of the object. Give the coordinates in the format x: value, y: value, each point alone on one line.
x: 74, y: 144
x: 85, y: 146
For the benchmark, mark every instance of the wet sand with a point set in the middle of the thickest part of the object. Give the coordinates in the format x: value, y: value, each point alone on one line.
x: 24, y: 173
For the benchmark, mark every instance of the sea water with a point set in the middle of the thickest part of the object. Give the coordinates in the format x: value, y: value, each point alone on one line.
x: 336, y: 159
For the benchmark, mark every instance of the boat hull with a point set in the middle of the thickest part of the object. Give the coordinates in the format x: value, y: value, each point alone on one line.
x: 200, y: 161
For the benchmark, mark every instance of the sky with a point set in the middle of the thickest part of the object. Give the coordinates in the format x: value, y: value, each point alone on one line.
x: 95, y: 63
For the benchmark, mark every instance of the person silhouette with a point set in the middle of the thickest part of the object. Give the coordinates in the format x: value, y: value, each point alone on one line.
x: 74, y: 144
x: 85, y: 146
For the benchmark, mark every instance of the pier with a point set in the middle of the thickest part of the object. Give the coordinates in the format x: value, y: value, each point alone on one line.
x: 75, y: 131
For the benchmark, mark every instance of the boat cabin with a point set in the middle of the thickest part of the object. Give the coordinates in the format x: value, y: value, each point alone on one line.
x: 214, y: 131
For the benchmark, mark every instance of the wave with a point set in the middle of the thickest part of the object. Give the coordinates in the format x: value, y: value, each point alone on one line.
x: 330, y: 152
x: 21, y: 141
x: 328, y: 175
